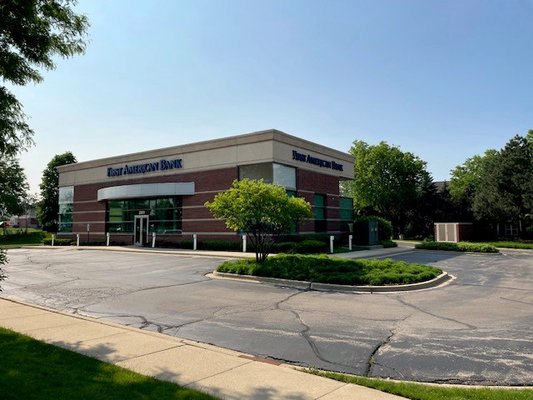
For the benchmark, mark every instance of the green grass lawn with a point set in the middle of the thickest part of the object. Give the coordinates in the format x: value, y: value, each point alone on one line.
x: 418, y: 391
x: 32, y: 370
x: 324, y: 269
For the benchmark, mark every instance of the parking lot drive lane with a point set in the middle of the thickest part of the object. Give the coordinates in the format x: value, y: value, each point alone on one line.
x: 477, y: 329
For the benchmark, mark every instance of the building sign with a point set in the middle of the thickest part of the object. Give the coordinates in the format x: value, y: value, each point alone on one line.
x: 307, y: 158
x: 161, y: 165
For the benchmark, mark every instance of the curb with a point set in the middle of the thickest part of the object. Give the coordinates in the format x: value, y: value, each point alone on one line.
x: 166, y: 252
x: 328, y: 287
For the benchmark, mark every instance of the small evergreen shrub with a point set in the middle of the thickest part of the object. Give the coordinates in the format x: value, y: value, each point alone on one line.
x: 311, y: 246
x: 215, y: 245
x: 284, y: 247
x: 58, y: 242
x: 388, y: 243
x: 324, y: 269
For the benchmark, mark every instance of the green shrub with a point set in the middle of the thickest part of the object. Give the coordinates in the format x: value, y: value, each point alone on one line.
x: 308, y: 246
x: 283, y: 247
x: 513, y: 245
x: 311, y: 246
x: 388, y: 243
x: 220, y: 245
x: 215, y: 245
x: 459, y: 246
x: 58, y: 242
x: 324, y: 269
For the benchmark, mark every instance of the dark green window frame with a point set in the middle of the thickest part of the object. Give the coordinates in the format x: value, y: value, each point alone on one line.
x: 164, y: 213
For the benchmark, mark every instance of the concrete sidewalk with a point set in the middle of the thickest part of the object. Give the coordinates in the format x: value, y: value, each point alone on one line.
x: 223, y: 373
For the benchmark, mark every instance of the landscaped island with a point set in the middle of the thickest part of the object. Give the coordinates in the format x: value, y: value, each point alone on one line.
x: 324, y: 269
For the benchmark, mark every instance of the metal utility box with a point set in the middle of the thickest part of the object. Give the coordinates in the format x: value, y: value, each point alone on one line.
x: 453, y: 231
x: 366, y: 233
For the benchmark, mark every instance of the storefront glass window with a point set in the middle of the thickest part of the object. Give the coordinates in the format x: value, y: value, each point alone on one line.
x: 165, y: 214
x: 66, y: 200
x: 257, y: 171
x: 284, y: 176
x: 271, y: 173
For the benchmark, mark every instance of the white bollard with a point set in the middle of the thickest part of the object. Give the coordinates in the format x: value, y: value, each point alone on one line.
x: 107, y: 239
x: 194, y: 241
x: 244, y: 243
x: 331, y: 239
x: 153, y: 240
x: 53, y: 239
x: 78, y: 240
x: 350, y: 242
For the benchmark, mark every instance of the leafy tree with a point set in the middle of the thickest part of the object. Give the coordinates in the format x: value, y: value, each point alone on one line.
x: 466, y: 179
x: 505, y: 191
x: 263, y: 211
x: 48, y: 207
x: 32, y: 33
x: 388, y: 182
x: 13, y: 187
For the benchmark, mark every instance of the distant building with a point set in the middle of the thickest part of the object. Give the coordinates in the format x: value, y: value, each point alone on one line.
x: 26, y: 220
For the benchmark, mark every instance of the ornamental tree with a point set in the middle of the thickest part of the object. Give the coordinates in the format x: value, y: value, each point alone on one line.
x: 261, y: 210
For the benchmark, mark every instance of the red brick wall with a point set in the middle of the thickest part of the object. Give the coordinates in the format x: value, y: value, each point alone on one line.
x: 87, y: 209
x: 196, y: 217
x: 309, y: 183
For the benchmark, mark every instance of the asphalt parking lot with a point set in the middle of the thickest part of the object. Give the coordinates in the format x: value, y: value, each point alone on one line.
x: 475, y: 330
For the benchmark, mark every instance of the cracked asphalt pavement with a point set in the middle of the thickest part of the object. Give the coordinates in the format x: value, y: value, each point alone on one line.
x: 475, y: 330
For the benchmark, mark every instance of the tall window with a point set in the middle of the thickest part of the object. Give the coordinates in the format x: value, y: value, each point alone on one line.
x: 319, y: 207
x: 346, y: 209
x: 271, y: 173
x: 164, y: 214
x: 319, y: 211
x: 66, y: 199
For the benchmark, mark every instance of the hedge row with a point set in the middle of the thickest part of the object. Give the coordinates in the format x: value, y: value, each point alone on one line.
x: 58, y: 242
x: 304, y: 247
x: 459, y: 246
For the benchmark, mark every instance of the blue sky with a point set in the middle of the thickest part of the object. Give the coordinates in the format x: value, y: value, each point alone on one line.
x: 442, y: 79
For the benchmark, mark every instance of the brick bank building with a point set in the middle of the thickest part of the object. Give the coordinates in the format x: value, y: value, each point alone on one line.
x: 164, y: 191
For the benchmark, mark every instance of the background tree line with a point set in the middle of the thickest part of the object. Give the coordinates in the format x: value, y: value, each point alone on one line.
x: 490, y: 190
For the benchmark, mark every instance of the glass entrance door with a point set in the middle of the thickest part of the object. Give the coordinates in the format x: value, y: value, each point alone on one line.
x: 140, y: 229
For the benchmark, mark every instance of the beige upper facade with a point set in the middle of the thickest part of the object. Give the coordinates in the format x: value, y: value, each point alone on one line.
x: 257, y: 147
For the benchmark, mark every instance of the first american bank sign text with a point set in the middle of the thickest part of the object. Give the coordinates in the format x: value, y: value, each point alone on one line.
x: 161, y: 165
x: 316, y: 161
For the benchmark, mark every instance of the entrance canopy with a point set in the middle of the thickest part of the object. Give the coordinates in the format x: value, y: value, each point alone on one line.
x: 146, y: 190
